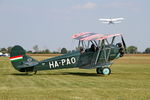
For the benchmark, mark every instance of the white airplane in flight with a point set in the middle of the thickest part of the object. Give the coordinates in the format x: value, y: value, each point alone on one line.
x: 111, y: 20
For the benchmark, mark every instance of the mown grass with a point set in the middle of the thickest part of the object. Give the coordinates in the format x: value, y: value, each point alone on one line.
x: 130, y: 80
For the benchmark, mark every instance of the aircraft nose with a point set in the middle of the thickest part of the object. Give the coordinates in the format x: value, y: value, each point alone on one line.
x: 121, y: 49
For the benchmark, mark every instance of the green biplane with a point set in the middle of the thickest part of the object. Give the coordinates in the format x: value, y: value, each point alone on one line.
x: 94, y: 51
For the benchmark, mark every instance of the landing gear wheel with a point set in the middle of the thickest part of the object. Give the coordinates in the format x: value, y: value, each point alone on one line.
x: 35, y: 72
x: 99, y: 70
x: 106, y: 70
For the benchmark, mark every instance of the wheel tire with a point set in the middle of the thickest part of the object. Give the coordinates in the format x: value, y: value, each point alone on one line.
x: 99, y: 70
x: 106, y: 71
x: 35, y: 72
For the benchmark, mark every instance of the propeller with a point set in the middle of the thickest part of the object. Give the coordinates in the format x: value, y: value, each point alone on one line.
x: 124, y: 44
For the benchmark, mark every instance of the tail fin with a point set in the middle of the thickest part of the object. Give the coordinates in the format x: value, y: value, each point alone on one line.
x: 21, y: 61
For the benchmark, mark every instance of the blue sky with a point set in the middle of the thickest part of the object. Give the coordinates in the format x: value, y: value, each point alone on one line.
x: 51, y: 23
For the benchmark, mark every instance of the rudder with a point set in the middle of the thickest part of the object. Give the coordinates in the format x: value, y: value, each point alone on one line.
x: 21, y: 61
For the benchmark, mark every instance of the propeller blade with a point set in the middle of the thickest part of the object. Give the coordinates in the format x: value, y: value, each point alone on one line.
x: 124, y: 44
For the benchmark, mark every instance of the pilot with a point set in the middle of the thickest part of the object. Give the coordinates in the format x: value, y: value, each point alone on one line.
x: 81, y: 50
x: 93, y: 48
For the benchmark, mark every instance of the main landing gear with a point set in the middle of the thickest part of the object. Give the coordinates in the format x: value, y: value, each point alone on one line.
x: 103, y: 70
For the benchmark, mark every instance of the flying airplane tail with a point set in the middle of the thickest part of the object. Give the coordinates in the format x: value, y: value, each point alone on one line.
x: 21, y: 61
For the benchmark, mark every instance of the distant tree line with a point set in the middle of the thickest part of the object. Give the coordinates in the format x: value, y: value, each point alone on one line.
x: 5, y: 50
x: 134, y: 50
x: 36, y: 50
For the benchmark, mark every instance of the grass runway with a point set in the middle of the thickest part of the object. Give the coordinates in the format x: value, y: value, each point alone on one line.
x: 130, y: 80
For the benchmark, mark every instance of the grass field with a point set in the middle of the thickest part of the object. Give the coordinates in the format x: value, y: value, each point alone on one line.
x: 130, y: 80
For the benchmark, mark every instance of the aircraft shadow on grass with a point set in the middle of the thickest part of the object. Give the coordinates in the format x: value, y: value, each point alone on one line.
x: 80, y: 74
x: 62, y: 73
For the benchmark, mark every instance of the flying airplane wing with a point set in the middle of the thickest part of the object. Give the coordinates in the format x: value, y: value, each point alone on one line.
x: 117, y: 22
x: 111, y: 20
x: 117, y: 19
x: 105, y: 20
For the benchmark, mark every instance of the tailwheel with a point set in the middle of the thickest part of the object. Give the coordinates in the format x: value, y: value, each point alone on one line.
x: 106, y: 71
x: 99, y: 70
x: 30, y: 72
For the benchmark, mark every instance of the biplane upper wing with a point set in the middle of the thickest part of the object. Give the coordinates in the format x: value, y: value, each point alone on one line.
x: 76, y: 36
x: 108, y: 36
x: 87, y: 36
x: 92, y: 36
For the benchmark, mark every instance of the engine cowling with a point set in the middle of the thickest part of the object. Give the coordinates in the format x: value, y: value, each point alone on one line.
x: 121, y: 50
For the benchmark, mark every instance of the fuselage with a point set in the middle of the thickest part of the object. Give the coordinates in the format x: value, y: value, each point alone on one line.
x: 78, y: 59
